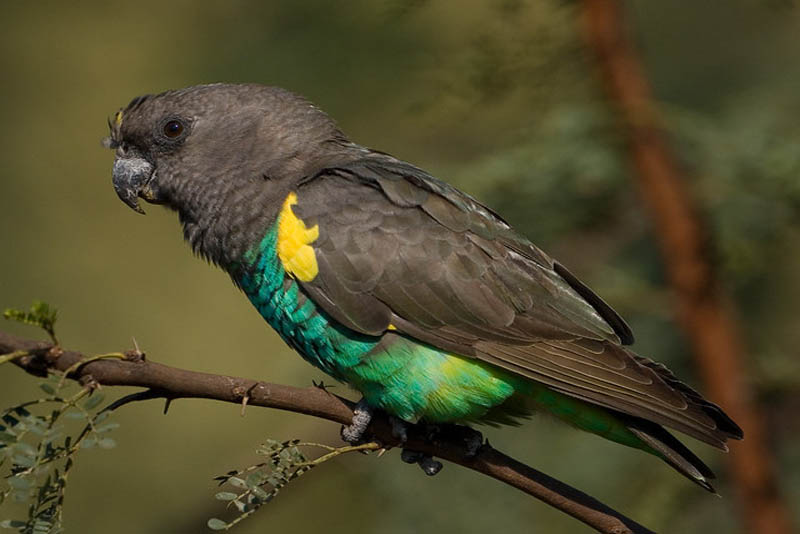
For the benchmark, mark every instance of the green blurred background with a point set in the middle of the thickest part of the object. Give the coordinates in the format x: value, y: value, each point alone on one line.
x: 496, y: 96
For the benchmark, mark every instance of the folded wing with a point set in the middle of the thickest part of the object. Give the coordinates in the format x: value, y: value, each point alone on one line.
x: 398, y: 249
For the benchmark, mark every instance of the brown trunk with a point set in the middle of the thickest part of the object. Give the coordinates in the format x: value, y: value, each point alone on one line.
x: 703, y: 313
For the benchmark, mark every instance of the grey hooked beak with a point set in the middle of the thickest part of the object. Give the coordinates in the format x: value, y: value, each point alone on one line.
x: 131, y: 178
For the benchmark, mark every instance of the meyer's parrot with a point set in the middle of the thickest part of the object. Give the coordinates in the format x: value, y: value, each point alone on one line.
x: 392, y: 281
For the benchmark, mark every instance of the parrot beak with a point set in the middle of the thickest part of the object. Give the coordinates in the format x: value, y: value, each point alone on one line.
x: 131, y: 177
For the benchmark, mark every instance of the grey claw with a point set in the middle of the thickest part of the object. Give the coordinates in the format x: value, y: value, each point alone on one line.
x: 426, y: 462
x: 430, y: 466
x: 362, y: 415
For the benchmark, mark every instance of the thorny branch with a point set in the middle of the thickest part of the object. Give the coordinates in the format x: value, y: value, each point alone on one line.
x: 171, y: 383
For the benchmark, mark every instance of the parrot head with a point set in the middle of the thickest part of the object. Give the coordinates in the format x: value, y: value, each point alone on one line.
x: 173, y: 147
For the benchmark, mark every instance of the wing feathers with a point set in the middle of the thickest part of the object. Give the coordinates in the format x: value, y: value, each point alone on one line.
x: 399, y: 247
x: 638, y: 391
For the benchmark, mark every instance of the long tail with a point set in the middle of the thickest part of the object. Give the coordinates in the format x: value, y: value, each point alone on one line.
x: 622, y: 428
x: 671, y: 451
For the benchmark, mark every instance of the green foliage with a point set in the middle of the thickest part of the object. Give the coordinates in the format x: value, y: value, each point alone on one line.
x: 40, y: 314
x: 38, y: 450
x: 258, y: 484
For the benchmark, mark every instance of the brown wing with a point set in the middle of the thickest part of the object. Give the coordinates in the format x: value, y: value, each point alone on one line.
x: 397, y: 247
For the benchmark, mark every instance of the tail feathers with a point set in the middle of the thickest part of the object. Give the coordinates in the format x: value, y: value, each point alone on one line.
x: 722, y: 420
x: 672, y: 451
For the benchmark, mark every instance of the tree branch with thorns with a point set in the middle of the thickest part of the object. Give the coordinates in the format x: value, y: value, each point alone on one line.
x: 285, y: 461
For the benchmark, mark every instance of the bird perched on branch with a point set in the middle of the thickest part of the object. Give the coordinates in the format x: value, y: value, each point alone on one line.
x: 392, y: 281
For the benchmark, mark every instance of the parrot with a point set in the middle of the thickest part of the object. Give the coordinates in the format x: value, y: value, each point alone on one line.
x: 413, y: 293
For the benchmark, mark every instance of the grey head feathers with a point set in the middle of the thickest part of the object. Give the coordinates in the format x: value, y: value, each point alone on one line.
x: 239, y: 150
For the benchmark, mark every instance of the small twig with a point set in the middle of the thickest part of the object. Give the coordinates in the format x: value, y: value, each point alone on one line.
x: 147, y: 394
x: 11, y: 356
x: 77, y: 365
x: 333, y: 452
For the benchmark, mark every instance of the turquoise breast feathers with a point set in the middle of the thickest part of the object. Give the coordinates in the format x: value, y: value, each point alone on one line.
x: 407, y: 378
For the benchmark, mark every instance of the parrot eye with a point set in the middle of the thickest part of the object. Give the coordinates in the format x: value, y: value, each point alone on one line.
x: 173, y: 129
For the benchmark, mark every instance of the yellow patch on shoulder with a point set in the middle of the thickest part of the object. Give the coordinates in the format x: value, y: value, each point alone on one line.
x: 391, y: 327
x: 118, y: 119
x: 294, y: 243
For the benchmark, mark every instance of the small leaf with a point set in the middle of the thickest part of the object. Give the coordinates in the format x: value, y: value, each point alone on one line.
x: 47, y: 388
x: 237, y: 482
x: 12, y: 523
x: 22, y: 411
x: 242, y: 507
x: 40, y: 315
x: 20, y: 496
x: 102, y: 416
x: 225, y: 496
x: 260, y: 493
x: 94, y: 401
x: 19, y: 482
x: 23, y: 461
x: 108, y: 427
x: 41, y: 526
x: 217, y: 524
x: 107, y: 443
x: 254, y: 479
x: 25, y: 448
x: 10, y: 420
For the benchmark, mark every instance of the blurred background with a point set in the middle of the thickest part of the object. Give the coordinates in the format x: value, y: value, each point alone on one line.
x: 501, y: 98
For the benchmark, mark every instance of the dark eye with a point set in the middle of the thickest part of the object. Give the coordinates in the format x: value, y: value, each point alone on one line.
x: 173, y: 128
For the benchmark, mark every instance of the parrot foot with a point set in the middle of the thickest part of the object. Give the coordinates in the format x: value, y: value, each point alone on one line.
x: 362, y: 415
x: 399, y: 429
x: 473, y: 441
x: 426, y: 462
x: 471, y: 438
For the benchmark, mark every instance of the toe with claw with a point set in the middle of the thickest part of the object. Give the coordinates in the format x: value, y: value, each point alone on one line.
x: 473, y: 440
x: 426, y: 462
x: 430, y: 466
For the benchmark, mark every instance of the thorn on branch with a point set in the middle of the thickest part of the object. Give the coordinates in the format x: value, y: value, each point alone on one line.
x: 134, y: 355
x: 54, y: 353
x: 320, y: 385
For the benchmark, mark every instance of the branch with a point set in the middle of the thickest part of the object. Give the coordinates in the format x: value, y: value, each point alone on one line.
x: 171, y: 383
x: 703, y: 311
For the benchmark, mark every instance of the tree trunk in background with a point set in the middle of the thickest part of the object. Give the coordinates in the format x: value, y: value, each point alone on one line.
x: 702, y: 311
